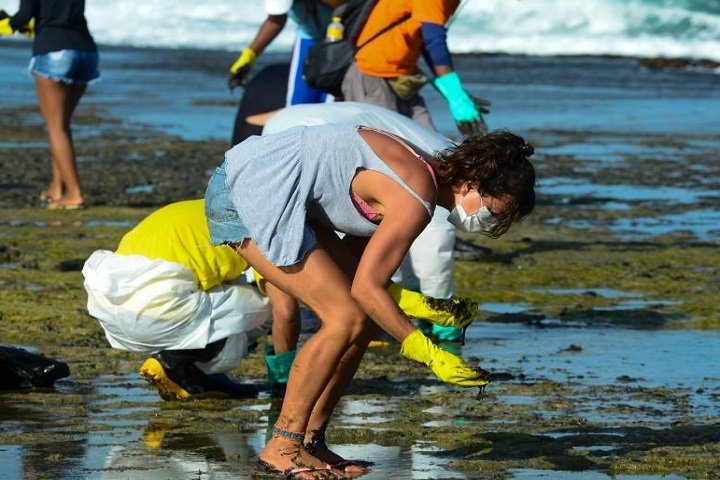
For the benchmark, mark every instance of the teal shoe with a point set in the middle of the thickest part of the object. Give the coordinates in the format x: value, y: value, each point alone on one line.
x: 425, y: 327
x: 278, y: 367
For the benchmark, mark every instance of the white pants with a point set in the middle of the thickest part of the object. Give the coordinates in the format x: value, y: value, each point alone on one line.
x: 428, y: 266
x: 146, y: 306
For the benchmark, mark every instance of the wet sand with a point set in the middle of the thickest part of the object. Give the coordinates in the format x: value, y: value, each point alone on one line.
x: 598, y: 319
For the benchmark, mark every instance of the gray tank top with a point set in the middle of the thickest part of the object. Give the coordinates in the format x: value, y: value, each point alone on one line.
x: 277, y: 182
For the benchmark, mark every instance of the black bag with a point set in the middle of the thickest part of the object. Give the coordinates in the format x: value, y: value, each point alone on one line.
x: 327, y: 62
x: 22, y: 369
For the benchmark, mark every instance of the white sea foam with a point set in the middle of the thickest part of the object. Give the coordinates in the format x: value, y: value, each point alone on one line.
x: 645, y: 28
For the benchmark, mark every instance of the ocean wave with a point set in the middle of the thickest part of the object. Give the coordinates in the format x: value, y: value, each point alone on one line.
x: 638, y: 28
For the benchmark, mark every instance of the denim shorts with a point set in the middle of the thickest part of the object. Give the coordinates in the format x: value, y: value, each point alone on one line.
x: 224, y: 222
x: 67, y: 66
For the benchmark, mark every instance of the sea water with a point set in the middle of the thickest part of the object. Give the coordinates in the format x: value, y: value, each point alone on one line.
x: 637, y: 28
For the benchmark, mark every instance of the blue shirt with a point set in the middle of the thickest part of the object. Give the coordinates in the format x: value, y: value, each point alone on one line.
x: 308, y: 27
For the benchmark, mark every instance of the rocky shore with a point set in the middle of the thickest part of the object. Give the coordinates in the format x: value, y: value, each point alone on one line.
x: 571, y: 283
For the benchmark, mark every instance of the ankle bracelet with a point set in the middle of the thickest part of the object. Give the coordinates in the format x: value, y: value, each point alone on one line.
x: 300, y: 436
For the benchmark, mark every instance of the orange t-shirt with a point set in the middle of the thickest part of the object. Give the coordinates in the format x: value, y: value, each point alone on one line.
x: 397, y: 51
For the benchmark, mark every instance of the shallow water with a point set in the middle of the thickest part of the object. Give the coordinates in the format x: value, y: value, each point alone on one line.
x: 648, y: 377
x: 119, y: 446
x: 682, y: 360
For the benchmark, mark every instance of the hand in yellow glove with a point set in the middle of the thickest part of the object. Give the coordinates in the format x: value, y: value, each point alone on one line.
x: 5, y: 28
x: 456, y: 312
x: 448, y: 367
x: 241, y: 67
x: 28, y: 29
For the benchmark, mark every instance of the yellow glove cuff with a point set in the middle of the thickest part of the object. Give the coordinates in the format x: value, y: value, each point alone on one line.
x: 5, y: 28
x: 28, y: 29
x: 246, y: 58
x: 418, y: 347
x: 456, y: 312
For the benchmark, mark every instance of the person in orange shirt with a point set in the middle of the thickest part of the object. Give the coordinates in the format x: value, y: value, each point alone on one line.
x: 386, y: 71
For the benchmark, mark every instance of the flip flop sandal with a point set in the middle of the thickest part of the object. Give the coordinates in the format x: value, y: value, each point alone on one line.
x: 343, y: 465
x: 263, y: 469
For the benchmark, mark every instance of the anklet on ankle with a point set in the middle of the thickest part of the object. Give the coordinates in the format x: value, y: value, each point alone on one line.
x: 300, y: 436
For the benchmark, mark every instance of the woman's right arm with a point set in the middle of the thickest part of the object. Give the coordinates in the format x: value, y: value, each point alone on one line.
x: 381, y: 257
x: 384, y: 252
x: 268, y: 31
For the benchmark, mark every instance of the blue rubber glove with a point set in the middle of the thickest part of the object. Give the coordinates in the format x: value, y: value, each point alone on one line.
x: 464, y: 110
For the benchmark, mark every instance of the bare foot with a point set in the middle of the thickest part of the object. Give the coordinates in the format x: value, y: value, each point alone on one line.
x: 288, y: 457
x: 50, y: 195
x: 66, y: 203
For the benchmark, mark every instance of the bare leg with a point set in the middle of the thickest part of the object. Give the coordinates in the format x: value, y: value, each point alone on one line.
x: 320, y: 284
x: 315, y: 436
x: 57, y: 104
x: 286, y: 319
x: 344, y: 252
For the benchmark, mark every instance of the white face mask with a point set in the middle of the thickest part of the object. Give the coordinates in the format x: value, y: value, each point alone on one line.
x: 481, y: 221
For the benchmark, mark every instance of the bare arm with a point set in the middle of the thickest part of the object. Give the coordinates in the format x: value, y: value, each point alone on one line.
x: 269, y: 30
x: 403, y: 220
x: 441, y: 70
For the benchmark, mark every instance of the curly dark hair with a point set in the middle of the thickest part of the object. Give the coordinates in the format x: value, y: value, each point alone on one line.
x: 497, y: 165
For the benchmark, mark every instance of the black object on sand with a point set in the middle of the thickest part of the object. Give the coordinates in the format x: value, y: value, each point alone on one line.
x: 22, y: 369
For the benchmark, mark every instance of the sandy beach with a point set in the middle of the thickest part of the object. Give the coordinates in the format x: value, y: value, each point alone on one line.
x: 598, y: 315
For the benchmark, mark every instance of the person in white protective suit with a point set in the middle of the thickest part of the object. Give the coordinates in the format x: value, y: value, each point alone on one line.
x: 166, y: 292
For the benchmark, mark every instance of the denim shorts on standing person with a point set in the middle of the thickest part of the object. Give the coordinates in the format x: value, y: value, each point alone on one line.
x: 224, y: 223
x: 67, y: 66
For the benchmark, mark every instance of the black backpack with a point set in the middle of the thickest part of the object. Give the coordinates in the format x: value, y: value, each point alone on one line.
x: 327, y: 62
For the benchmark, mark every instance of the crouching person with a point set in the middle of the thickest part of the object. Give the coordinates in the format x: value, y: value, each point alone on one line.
x: 167, y: 293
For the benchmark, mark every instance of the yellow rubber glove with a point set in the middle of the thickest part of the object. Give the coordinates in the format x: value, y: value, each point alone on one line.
x: 241, y: 67
x: 448, y: 367
x: 5, y: 28
x: 259, y: 281
x: 28, y: 29
x: 456, y: 312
